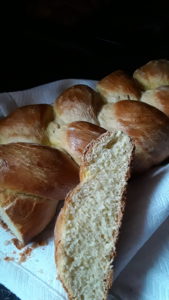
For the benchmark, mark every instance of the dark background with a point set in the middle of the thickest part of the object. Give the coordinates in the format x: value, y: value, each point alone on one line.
x: 45, y: 40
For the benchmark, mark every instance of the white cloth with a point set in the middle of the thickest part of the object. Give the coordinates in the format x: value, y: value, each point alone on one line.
x: 142, y: 261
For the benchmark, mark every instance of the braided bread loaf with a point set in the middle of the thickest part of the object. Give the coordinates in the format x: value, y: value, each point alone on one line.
x: 74, y: 118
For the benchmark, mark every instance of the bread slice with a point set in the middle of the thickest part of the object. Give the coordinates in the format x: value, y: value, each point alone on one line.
x: 88, y: 225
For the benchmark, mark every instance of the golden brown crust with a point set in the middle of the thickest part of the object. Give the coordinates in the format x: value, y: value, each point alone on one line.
x: 148, y: 127
x: 26, y: 124
x: 37, y: 170
x: 74, y: 137
x: 33, y: 179
x: 59, y: 236
x: 30, y: 214
x: 79, y: 135
x: 158, y: 98
x: 118, y: 86
x: 77, y: 103
x: 153, y: 74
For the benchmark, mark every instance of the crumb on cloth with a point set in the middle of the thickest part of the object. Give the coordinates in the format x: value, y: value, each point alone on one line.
x: 7, y: 258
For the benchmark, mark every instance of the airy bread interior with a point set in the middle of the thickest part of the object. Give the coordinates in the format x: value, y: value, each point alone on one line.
x: 89, y: 223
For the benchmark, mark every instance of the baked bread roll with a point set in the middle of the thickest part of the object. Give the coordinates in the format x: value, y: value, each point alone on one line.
x: 78, y: 103
x: 88, y: 225
x: 118, y: 86
x: 158, y: 98
x: 153, y: 74
x: 27, y: 124
x: 33, y: 179
x: 73, y: 137
x: 146, y: 125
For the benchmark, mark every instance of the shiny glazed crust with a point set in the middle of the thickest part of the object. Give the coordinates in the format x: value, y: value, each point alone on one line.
x: 118, y: 86
x: 158, y: 98
x: 27, y: 124
x: 146, y: 125
x: 78, y: 103
x: 33, y: 179
x: 73, y: 137
x: 153, y: 74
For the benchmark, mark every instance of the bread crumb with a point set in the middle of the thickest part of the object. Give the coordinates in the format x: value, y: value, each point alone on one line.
x: 3, y: 225
x: 39, y: 244
x: 25, y: 254
x: 17, y: 244
x: 7, y: 258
